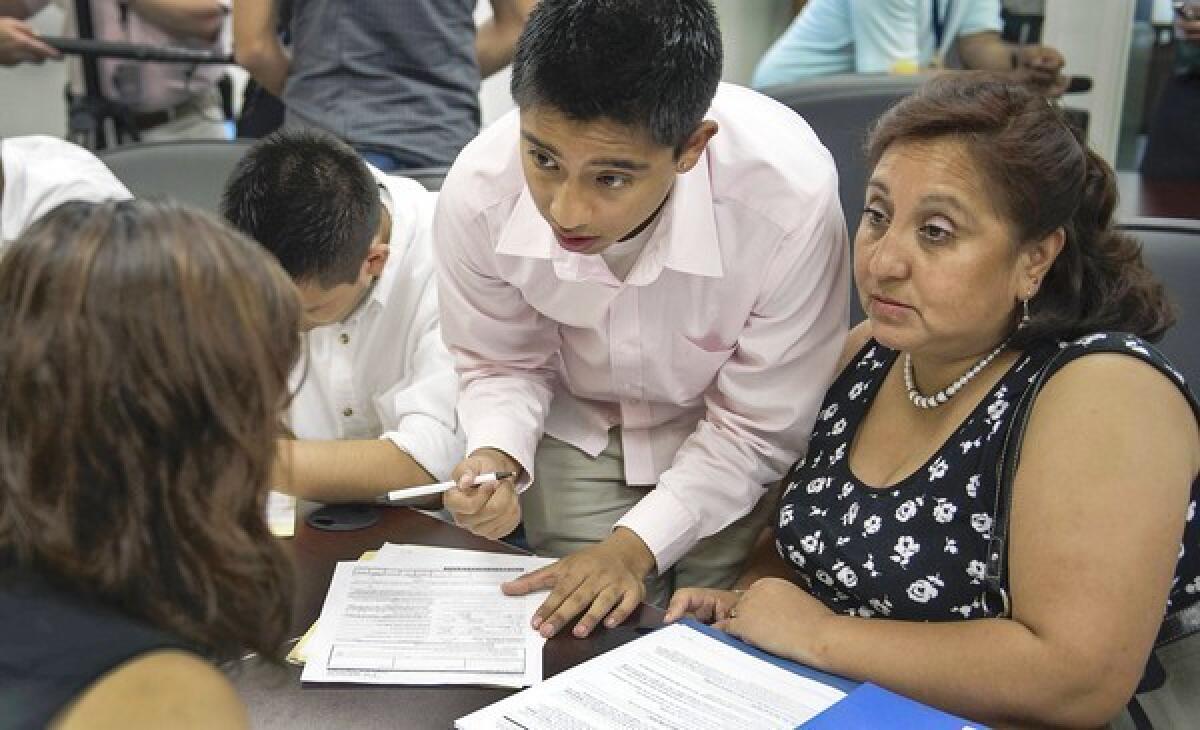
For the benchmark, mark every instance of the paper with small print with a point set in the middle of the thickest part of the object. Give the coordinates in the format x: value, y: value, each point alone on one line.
x: 426, y: 616
x: 676, y: 678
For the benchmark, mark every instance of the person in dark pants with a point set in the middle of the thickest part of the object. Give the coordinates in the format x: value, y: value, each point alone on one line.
x: 262, y: 111
x: 398, y: 81
x: 1173, y: 142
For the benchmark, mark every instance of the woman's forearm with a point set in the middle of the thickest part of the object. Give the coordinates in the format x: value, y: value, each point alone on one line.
x: 991, y: 670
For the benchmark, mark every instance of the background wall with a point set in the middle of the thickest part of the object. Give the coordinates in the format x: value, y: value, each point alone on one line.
x: 33, y: 95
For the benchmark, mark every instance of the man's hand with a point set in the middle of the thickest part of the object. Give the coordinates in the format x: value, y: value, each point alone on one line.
x: 1040, y: 67
x: 19, y: 44
x: 1188, y: 30
x: 607, y: 579
x: 492, y: 509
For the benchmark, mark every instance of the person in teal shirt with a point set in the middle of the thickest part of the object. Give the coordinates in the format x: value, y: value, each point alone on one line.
x: 902, y: 36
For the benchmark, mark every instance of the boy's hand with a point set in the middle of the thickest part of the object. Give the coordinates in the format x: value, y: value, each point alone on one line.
x: 492, y: 509
x: 607, y: 579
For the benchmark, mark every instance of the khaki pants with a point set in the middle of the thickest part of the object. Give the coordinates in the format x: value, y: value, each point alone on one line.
x: 576, y: 500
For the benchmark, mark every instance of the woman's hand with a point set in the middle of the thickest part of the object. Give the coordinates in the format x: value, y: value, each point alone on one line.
x: 780, y: 617
x: 707, y: 605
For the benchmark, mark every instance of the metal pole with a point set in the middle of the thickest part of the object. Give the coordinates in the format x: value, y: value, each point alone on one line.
x: 87, y: 115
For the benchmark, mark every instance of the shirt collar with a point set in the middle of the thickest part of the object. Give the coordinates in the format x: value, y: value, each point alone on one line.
x: 684, y: 240
x: 397, y: 195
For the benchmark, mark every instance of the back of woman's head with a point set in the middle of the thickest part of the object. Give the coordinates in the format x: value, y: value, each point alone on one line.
x: 1043, y: 177
x: 144, y: 355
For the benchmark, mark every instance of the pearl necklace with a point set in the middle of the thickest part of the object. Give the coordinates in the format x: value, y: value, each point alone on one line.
x: 945, y: 394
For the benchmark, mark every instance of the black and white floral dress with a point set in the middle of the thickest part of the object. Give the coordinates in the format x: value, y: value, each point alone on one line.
x: 915, y: 551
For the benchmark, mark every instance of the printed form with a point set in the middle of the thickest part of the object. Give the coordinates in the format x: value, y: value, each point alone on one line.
x: 676, y: 678
x: 427, y: 616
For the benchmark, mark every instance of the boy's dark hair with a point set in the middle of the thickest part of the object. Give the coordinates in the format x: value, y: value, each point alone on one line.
x: 309, y: 199
x: 647, y: 64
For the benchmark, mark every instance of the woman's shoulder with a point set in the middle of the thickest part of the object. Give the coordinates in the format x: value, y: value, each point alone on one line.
x: 1118, y: 343
x: 1105, y: 364
x: 856, y: 340
x: 1116, y: 380
x: 168, y: 688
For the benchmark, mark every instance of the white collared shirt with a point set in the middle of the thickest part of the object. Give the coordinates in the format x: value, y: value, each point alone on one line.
x: 384, y: 371
x: 41, y: 173
x: 712, y: 355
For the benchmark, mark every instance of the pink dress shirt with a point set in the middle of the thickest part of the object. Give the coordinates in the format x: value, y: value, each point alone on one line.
x: 712, y: 356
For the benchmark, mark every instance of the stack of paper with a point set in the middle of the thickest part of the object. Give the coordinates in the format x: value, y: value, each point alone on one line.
x: 676, y: 677
x: 424, y: 615
x: 692, y: 677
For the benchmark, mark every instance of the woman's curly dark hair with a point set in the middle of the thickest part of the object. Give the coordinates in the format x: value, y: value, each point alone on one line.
x: 1045, y: 177
x: 144, y: 356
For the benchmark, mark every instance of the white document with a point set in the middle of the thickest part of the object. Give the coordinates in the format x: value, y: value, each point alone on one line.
x: 281, y: 514
x: 676, y: 678
x: 420, y: 615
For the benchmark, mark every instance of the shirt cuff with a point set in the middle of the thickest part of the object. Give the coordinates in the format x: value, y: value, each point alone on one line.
x: 436, y: 448
x: 500, y: 434
x: 665, y: 524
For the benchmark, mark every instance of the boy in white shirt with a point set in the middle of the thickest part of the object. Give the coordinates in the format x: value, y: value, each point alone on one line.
x: 39, y: 173
x: 644, y: 283
x: 374, y: 397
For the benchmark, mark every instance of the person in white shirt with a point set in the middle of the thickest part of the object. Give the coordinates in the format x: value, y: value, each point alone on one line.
x: 374, y: 397
x: 38, y: 173
x: 645, y: 289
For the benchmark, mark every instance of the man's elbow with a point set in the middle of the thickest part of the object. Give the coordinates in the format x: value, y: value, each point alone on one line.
x: 253, y: 56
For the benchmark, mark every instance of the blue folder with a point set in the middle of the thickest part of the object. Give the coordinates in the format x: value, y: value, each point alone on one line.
x: 866, y: 706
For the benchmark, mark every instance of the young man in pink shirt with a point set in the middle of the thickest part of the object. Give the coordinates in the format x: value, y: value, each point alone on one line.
x: 643, y: 278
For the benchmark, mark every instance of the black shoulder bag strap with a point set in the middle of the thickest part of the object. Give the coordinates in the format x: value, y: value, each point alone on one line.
x: 1175, y: 626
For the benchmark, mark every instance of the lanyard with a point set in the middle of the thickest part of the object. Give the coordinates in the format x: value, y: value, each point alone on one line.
x: 939, y: 25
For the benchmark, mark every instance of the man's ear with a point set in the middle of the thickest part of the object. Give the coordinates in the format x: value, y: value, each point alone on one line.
x: 695, y: 145
x: 377, y: 256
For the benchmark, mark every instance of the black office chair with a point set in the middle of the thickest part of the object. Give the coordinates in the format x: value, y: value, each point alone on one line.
x: 841, y: 109
x: 1171, y: 249
x: 192, y: 171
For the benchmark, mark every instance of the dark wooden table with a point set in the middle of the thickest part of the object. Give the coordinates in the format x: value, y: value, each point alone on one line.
x: 1142, y: 198
x: 276, y: 698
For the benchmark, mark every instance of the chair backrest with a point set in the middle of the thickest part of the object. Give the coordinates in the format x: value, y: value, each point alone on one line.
x: 841, y: 109
x: 192, y: 171
x: 430, y: 177
x: 1171, y: 249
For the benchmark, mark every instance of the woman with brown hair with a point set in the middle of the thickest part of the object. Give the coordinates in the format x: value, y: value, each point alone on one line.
x: 986, y: 257
x: 144, y: 353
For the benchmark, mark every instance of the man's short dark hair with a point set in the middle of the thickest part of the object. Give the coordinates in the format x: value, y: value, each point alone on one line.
x: 646, y: 64
x: 310, y: 200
